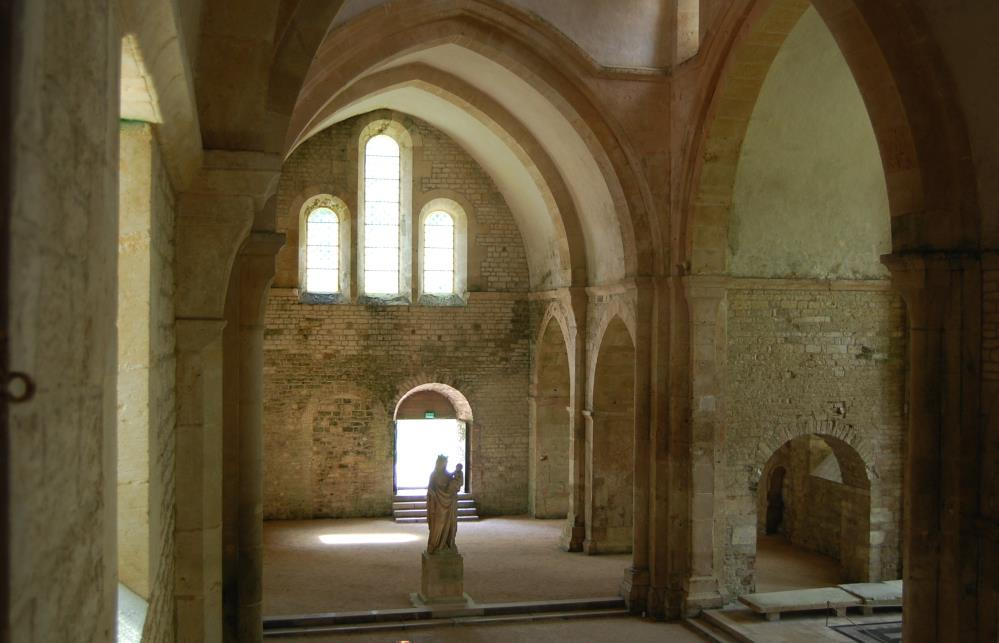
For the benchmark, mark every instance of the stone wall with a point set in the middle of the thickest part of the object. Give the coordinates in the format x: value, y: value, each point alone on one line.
x: 806, y: 358
x: 62, y: 321
x: 146, y: 377
x: 334, y: 372
x: 162, y: 407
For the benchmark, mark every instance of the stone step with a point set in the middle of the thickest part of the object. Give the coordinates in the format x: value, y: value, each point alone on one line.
x: 438, y: 622
x: 707, y: 631
x: 421, y: 617
x: 422, y: 504
x: 415, y: 519
x: 409, y: 509
x: 712, y: 618
x: 421, y: 496
x: 410, y: 513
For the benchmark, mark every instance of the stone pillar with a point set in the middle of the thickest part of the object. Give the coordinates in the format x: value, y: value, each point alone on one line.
x: 706, y: 307
x: 574, y: 531
x: 635, y: 585
x: 587, y: 485
x: 668, y: 484
x: 197, y: 531
x: 214, y: 219
x: 943, y: 543
x: 254, y: 271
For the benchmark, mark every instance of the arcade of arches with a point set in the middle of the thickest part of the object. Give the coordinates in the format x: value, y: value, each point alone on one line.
x: 685, y: 279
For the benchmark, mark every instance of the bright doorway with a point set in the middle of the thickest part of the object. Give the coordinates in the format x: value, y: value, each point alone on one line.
x: 430, y: 420
x: 417, y: 445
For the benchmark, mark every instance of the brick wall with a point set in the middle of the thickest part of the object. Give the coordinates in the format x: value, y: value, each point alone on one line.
x: 813, y: 360
x: 333, y: 373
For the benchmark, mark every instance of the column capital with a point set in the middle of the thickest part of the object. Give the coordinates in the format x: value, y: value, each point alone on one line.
x: 194, y: 335
x: 254, y: 274
x: 263, y: 243
x: 915, y: 269
x: 250, y: 174
x: 214, y: 218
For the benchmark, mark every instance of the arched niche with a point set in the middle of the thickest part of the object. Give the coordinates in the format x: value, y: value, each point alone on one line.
x: 611, y: 445
x: 551, y: 441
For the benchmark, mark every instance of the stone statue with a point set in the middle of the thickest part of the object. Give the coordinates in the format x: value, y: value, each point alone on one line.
x: 442, y: 506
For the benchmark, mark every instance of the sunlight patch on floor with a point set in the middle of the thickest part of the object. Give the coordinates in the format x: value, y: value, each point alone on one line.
x: 366, y: 539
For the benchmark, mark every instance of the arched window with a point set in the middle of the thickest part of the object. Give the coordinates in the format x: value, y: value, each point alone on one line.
x: 438, y: 254
x: 382, y: 200
x: 322, y: 251
x: 443, y: 251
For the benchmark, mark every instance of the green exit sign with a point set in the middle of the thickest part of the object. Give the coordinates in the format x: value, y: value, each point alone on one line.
x: 429, y: 415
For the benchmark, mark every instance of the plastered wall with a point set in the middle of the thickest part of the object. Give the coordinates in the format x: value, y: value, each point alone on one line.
x: 334, y: 372
x: 810, y: 197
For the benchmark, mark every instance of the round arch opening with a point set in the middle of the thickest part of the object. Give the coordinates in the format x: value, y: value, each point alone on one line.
x: 814, y: 497
x: 430, y: 420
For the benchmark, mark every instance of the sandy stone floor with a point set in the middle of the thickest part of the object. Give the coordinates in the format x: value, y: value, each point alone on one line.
x: 360, y: 564
x: 780, y: 566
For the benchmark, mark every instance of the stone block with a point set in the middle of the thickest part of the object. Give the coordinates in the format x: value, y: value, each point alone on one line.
x: 443, y: 579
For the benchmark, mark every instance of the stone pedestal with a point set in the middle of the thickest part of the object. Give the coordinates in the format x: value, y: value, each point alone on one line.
x: 443, y: 580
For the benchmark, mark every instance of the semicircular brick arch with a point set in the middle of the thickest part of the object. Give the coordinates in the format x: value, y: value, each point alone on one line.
x: 462, y: 409
x: 846, y: 441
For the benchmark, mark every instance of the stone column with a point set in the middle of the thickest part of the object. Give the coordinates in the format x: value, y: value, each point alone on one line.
x: 197, y: 531
x: 254, y: 271
x: 668, y: 484
x: 635, y: 585
x: 706, y: 307
x: 214, y: 219
x: 574, y: 531
x: 587, y: 486
x: 943, y: 543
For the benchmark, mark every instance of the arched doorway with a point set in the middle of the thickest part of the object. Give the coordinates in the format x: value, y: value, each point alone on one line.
x: 775, y: 501
x: 550, y: 427
x: 430, y: 420
x: 813, y: 516
x: 611, y: 445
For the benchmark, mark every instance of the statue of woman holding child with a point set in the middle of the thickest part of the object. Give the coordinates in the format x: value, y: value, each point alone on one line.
x: 442, y: 506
